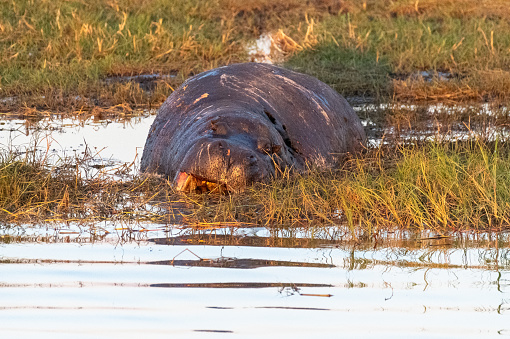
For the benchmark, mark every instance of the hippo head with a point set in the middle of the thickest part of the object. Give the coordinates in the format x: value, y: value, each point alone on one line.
x: 233, y: 152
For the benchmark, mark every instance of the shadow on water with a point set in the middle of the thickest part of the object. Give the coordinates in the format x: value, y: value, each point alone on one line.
x: 221, y: 262
x: 241, y: 285
x: 238, y: 263
x: 407, y: 239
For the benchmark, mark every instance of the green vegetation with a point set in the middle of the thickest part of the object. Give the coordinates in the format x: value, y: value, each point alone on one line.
x: 378, y: 42
x: 444, y: 187
x: 34, y: 189
x: 59, y: 54
x: 441, y: 186
x: 71, y: 56
x: 64, y: 50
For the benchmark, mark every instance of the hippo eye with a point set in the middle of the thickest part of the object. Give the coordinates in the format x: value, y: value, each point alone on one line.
x: 276, y: 148
x: 218, y: 128
x: 264, y: 146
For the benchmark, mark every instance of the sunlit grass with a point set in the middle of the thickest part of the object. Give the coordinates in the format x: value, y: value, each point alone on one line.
x: 443, y: 187
x: 376, y: 50
x: 35, y: 188
x: 57, y: 54
x: 60, y: 46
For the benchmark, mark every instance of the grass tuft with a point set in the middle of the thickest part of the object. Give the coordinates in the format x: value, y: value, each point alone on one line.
x: 445, y: 187
x: 35, y: 188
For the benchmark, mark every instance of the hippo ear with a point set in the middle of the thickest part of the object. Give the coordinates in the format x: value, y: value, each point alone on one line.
x: 276, y: 148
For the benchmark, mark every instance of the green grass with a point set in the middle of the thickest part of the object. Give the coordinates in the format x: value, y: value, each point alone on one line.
x: 444, y: 187
x: 70, y: 46
x: 348, y: 71
x: 391, y: 43
x: 64, y: 50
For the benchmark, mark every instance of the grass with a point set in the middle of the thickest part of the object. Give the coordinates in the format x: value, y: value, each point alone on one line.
x: 36, y: 189
x: 445, y: 187
x: 394, y: 40
x: 71, y: 56
x: 68, y: 48
x: 59, y: 54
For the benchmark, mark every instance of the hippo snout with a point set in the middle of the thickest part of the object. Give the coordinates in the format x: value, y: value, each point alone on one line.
x: 220, y: 164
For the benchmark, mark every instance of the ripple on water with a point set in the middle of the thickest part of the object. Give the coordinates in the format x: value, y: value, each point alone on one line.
x: 75, y: 285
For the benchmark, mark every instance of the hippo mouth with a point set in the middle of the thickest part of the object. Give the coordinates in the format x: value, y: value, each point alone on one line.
x: 186, y: 182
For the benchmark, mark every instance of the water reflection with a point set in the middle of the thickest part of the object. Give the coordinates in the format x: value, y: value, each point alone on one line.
x: 54, y: 281
x: 101, y: 146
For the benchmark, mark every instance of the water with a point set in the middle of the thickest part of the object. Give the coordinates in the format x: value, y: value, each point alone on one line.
x: 68, y: 284
x: 105, y: 144
x: 113, y: 280
x: 391, y: 123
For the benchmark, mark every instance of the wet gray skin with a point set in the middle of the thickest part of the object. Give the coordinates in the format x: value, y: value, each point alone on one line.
x: 233, y: 125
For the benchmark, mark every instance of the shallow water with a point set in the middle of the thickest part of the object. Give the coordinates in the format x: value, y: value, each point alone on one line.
x: 108, y: 143
x: 58, y: 282
x: 110, y: 280
x: 104, y: 144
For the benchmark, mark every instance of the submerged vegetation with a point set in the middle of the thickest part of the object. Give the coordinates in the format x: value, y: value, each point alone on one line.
x: 110, y: 56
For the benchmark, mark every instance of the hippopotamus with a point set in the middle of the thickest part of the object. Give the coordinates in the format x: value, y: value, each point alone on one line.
x: 240, y: 124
